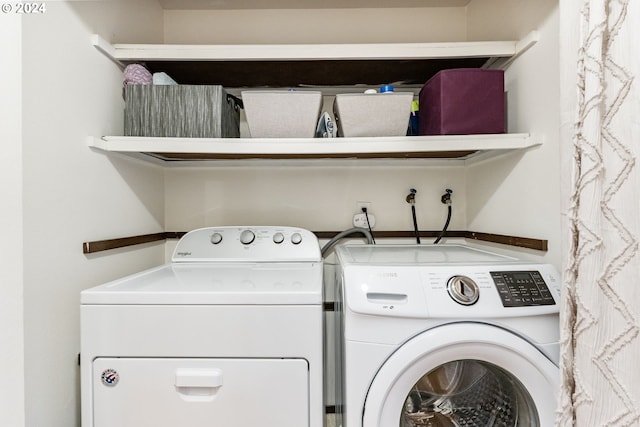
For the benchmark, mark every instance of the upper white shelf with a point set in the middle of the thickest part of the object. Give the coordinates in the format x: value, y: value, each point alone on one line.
x: 332, y: 65
x: 455, y: 147
x: 306, y: 52
x: 328, y: 65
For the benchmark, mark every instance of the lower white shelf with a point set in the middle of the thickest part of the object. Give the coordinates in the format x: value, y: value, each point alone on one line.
x: 450, y: 147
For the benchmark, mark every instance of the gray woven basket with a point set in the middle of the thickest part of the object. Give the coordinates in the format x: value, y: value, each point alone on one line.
x: 187, y: 111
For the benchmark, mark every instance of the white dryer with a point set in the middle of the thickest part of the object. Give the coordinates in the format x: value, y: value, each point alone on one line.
x: 229, y: 334
x: 445, y: 335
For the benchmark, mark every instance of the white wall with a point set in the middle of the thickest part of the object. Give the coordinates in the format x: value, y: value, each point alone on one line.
x: 519, y: 194
x: 506, y: 19
x: 73, y: 194
x: 11, y: 296
x: 511, y: 195
x: 316, y: 196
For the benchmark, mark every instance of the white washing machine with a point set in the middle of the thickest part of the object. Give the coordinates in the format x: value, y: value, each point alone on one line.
x: 445, y: 335
x: 228, y: 334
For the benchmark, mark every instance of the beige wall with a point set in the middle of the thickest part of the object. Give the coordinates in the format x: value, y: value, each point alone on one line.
x: 316, y: 26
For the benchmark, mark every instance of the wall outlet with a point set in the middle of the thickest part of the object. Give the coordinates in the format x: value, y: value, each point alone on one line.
x: 361, y: 205
x: 360, y: 220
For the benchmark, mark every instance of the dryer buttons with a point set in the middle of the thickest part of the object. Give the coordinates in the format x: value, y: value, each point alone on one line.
x: 463, y: 290
x: 247, y: 237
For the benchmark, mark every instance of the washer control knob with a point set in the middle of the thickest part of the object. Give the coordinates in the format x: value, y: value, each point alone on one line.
x: 278, y: 238
x: 463, y: 290
x: 216, y: 238
x: 296, y: 238
x: 247, y: 237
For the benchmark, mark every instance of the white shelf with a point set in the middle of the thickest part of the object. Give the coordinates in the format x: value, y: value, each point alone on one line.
x: 329, y: 65
x: 388, y: 58
x: 449, y: 147
x: 293, y: 52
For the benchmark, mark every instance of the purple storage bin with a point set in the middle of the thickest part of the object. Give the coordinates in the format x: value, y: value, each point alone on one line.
x: 463, y: 101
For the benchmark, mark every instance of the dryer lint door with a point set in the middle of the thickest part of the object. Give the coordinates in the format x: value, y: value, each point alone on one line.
x: 159, y: 392
x: 464, y: 374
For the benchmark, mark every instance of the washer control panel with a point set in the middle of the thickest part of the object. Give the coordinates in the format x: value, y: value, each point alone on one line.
x: 248, y: 244
x: 522, y: 288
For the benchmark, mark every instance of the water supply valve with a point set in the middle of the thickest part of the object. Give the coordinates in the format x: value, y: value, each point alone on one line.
x: 446, y: 197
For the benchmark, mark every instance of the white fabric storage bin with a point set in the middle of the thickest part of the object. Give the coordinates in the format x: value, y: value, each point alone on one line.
x: 282, y: 114
x: 375, y: 114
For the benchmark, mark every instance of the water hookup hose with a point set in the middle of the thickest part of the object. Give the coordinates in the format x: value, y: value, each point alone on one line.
x: 411, y: 199
x: 446, y: 199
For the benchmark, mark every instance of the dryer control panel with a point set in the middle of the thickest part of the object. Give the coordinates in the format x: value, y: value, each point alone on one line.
x: 248, y: 244
x: 522, y: 288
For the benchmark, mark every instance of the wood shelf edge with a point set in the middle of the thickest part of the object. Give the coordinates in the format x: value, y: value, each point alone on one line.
x: 522, y: 242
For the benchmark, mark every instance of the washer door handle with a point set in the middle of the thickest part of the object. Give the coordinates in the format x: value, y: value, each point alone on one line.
x: 387, y: 298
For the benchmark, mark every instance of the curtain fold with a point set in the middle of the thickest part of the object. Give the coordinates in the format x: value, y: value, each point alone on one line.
x: 600, y: 317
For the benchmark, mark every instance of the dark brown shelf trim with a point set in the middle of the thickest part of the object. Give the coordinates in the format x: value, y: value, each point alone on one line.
x: 245, y: 156
x: 522, y: 242
x: 105, y: 245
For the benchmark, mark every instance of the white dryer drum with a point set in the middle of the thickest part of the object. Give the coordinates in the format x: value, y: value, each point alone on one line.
x: 463, y: 375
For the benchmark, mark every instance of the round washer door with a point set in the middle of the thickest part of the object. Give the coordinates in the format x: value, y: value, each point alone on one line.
x: 464, y: 374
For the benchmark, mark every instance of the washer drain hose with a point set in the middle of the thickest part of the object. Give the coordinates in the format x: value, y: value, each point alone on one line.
x: 331, y: 243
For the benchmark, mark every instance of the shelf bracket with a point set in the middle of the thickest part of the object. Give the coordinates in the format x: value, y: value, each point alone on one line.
x: 106, y: 49
x: 521, y: 47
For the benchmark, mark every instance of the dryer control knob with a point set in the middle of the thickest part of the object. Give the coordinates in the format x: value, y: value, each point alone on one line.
x: 463, y: 290
x: 296, y: 238
x: 278, y: 238
x: 247, y: 236
x: 216, y: 238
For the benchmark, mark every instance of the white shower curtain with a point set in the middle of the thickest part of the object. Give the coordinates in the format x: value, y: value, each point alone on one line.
x: 600, y: 318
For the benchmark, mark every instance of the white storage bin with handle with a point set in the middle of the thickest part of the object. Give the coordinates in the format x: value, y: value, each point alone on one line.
x: 372, y: 114
x: 282, y: 113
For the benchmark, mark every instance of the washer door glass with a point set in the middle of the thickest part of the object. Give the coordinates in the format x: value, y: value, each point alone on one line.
x: 463, y: 375
x: 468, y: 393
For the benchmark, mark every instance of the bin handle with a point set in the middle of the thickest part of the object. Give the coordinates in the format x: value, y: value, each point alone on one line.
x: 237, y: 102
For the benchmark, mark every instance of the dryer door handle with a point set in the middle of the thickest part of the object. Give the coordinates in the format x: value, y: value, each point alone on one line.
x: 198, y: 384
x: 198, y: 377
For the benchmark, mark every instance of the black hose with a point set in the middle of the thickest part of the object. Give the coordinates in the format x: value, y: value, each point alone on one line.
x: 366, y: 215
x: 446, y: 224
x: 415, y: 223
